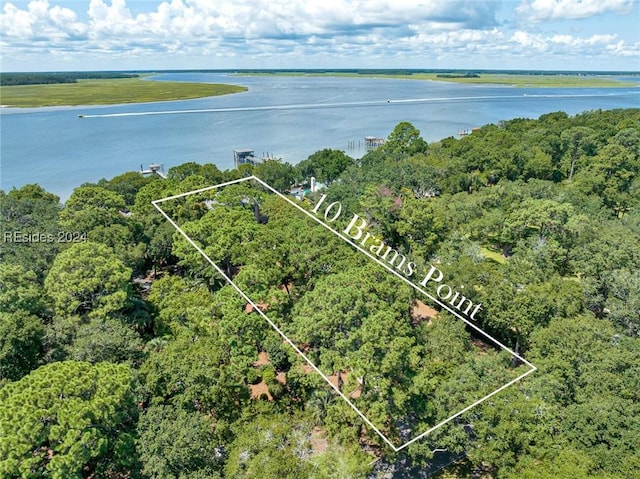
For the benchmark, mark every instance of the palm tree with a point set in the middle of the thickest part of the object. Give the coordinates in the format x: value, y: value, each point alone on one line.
x: 318, y: 405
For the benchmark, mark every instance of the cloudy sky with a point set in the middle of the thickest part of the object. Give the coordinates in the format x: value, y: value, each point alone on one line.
x: 43, y: 35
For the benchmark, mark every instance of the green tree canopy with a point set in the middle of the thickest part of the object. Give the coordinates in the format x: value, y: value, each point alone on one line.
x: 29, y: 210
x: 88, y: 278
x: 67, y: 419
x: 223, y: 234
x: 91, y: 206
x: 20, y: 290
x: 126, y: 185
x: 340, y: 303
x: 325, y: 165
x: 107, y: 339
x: 578, y: 141
x: 193, y: 373
x: 180, y: 303
x: 209, y: 171
x: 175, y: 443
x: 20, y: 344
x: 403, y: 141
x: 270, y: 445
x: 275, y: 173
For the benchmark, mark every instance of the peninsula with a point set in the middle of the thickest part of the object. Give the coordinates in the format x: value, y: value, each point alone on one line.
x: 108, y: 91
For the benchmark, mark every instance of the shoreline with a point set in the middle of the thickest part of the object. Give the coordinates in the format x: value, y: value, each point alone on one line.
x: 505, y: 79
x: 110, y: 92
x: 13, y: 110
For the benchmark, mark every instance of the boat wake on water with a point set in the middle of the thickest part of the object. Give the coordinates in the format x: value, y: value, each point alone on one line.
x: 359, y: 104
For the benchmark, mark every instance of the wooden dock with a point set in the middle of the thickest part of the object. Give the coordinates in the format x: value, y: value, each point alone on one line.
x: 154, y: 169
x: 247, y: 156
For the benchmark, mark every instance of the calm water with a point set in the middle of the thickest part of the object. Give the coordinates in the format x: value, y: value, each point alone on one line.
x: 289, y: 117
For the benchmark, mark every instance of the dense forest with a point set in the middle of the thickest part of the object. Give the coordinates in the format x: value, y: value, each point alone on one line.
x: 124, y: 354
x: 31, y: 78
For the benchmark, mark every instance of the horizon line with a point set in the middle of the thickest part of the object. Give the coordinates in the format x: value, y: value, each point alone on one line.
x: 363, y: 70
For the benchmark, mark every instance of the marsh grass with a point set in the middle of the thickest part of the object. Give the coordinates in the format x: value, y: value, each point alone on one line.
x: 517, y: 80
x: 109, y: 92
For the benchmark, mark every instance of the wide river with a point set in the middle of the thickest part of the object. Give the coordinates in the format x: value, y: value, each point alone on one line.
x: 287, y: 117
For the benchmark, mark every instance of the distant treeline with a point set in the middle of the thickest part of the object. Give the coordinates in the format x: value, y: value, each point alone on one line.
x: 10, y: 79
x: 72, y: 77
x: 458, y: 75
x: 442, y: 73
x: 403, y: 71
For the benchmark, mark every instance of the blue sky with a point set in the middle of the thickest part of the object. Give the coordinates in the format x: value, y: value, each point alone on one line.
x: 44, y: 35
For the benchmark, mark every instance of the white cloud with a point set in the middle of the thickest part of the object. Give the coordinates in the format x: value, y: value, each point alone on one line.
x: 603, y: 46
x: 236, y: 26
x: 340, y: 31
x: 39, y: 22
x: 621, y: 49
x: 530, y: 41
x: 572, y: 41
x: 254, y: 18
x: 15, y: 23
x: 544, y: 10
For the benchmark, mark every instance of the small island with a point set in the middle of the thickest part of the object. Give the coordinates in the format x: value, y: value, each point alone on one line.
x: 457, y: 75
x: 24, y: 90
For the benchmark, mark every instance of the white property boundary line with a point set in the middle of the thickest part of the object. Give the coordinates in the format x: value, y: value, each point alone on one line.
x: 355, y: 245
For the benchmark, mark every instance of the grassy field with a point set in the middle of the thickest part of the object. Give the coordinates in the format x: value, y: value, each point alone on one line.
x: 548, y: 81
x: 108, y: 92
